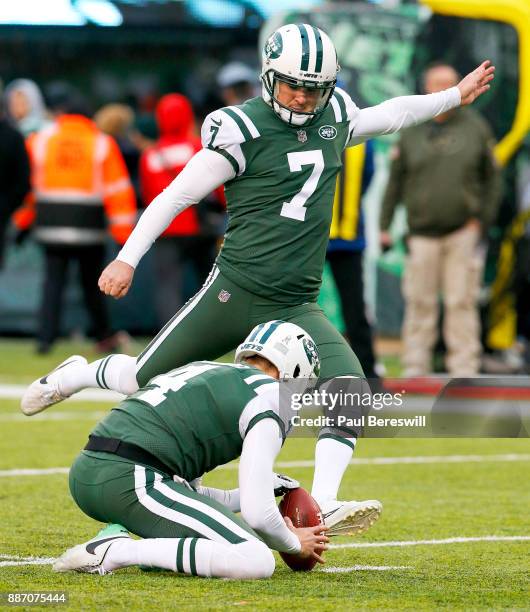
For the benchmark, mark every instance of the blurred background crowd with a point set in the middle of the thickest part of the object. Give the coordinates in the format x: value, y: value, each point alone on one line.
x: 430, y: 241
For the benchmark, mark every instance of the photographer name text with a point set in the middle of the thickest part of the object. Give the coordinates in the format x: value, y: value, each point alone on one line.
x: 362, y: 421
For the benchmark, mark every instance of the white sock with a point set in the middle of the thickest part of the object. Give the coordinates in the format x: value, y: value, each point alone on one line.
x: 248, y: 560
x: 116, y: 372
x: 153, y: 552
x: 198, y: 556
x: 331, y: 460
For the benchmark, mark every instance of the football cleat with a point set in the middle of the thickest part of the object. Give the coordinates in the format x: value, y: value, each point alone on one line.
x: 44, y: 391
x: 89, y: 557
x: 350, y: 518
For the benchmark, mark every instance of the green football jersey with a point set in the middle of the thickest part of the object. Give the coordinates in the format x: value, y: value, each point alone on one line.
x: 196, y: 417
x: 280, y: 202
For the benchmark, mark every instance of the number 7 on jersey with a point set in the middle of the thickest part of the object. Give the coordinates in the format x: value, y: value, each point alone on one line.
x: 295, y: 209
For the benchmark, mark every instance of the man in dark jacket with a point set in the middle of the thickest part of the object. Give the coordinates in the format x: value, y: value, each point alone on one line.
x: 445, y: 173
x: 14, y: 174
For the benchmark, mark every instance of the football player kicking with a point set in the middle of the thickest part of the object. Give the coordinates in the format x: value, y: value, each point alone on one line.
x: 278, y: 156
x: 139, y: 460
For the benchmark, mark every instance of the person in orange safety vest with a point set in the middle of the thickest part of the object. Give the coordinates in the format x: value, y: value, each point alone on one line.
x: 80, y: 190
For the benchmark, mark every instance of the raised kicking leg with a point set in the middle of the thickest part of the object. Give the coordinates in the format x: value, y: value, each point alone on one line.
x: 204, y: 328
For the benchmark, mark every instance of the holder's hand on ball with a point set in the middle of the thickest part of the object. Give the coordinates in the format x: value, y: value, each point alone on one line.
x: 312, y: 540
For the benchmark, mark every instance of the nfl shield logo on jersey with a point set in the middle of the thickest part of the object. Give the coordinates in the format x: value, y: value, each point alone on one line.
x: 223, y: 296
x: 302, y: 135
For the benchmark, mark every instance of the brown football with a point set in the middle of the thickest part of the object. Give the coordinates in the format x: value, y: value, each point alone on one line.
x: 303, y: 511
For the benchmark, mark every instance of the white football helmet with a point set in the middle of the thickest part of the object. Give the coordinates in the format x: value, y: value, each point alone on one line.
x: 285, y: 345
x: 300, y: 55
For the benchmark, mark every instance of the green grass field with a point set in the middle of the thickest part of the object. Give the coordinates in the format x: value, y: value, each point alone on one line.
x: 431, y: 490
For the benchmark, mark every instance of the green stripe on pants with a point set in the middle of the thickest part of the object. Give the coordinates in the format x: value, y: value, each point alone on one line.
x: 193, y: 564
x: 180, y: 560
x: 108, y: 491
x: 204, y: 524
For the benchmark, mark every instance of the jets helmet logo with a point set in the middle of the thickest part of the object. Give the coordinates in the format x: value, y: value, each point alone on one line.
x: 274, y: 46
x: 312, y: 355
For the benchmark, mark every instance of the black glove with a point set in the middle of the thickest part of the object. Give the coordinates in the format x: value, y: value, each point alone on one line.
x: 283, y: 483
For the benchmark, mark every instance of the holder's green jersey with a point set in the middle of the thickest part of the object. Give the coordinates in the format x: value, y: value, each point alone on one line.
x: 196, y: 417
x: 280, y: 202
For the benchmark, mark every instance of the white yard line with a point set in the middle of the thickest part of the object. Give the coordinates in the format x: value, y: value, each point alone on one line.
x: 13, y: 560
x: 78, y: 415
x: 88, y: 395
x: 510, y: 457
x: 419, y: 459
x: 458, y: 540
x: 34, y: 472
x: 357, y: 568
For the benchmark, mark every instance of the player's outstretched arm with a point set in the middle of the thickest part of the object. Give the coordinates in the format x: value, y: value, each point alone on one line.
x: 231, y: 497
x: 398, y: 113
x: 204, y: 173
x: 256, y: 487
x: 258, y: 506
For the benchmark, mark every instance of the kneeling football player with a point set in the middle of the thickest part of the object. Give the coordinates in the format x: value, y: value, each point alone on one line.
x: 136, y: 468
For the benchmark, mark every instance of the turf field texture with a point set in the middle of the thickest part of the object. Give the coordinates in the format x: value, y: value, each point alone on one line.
x: 455, y: 530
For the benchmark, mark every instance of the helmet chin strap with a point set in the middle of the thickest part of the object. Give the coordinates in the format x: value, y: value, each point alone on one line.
x: 291, y: 117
